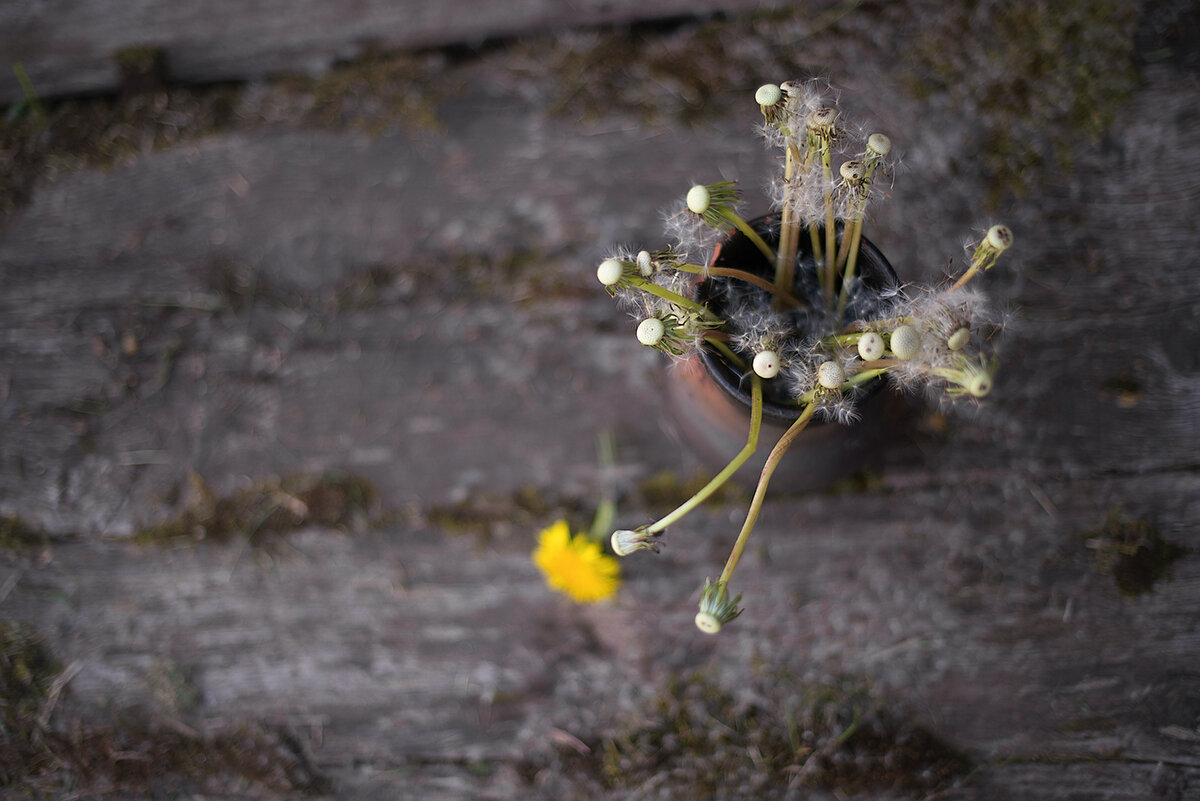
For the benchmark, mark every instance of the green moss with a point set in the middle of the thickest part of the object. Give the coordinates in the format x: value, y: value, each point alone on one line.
x: 40, y: 760
x: 1043, y: 80
x: 271, y: 507
x: 16, y: 534
x: 27, y: 674
x: 666, y: 490
x: 484, y: 515
x: 1132, y: 552
x: 836, y: 735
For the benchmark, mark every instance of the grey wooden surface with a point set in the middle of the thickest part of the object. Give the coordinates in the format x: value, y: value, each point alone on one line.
x: 410, y: 658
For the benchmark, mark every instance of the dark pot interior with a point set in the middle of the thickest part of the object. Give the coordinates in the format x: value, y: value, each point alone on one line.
x: 737, y: 251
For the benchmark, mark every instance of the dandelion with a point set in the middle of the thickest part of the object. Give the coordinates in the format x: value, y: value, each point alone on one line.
x: 575, y: 565
x: 716, y: 607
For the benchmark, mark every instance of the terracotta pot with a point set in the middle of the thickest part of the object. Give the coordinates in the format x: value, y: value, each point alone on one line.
x: 711, y: 397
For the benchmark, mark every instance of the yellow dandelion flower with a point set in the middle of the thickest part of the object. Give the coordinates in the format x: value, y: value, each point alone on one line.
x: 575, y: 565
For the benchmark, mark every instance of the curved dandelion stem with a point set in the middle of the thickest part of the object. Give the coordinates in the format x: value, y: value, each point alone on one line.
x: 736, y: 220
x: 760, y: 491
x: 750, y: 278
x: 674, y: 297
x: 720, y: 478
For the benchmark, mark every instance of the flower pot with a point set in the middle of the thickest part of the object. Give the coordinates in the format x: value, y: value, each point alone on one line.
x: 712, y: 397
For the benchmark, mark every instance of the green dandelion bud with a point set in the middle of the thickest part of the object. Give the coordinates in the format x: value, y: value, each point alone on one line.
x: 716, y: 607
x: 651, y: 331
x: 959, y: 339
x: 625, y: 542
x: 610, y: 272
x: 831, y: 375
x: 870, y: 346
x: 906, y: 342
x: 766, y: 364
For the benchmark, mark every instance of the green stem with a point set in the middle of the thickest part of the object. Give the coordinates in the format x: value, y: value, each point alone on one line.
x: 760, y: 491
x: 741, y: 275
x: 785, y: 259
x: 731, y: 468
x: 851, y: 265
x: 606, y: 510
x: 830, y: 229
x: 674, y: 297
x: 726, y: 352
x: 743, y: 226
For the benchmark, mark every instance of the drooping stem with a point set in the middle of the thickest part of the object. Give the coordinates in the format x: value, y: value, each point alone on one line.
x: 674, y: 297
x: 787, y: 298
x: 720, y: 478
x: 726, y: 352
x: 743, y: 226
x: 760, y: 491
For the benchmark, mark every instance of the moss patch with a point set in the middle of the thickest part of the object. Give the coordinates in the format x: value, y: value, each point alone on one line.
x: 714, y: 743
x: 268, y: 508
x: 1041, y: 79
x: 667, y: 489
x: 485, y: 515
x: 17, y: 535
x: 1132, y: 552
x: 132, y: 756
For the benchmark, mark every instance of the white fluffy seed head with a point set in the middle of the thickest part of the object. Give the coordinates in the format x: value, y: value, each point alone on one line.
x: 830, y: 375
x: 650, y: 331
x: 644, y: 264
x: 1000, y: 237
x: 698, y: 199
x: 610, y: 271
x: 870, y: 346
x: 959, y: 339
x: 879, y: 144
x: 766, y: 364
x: 906, y: 342
x: 708, y: 622
x: 768, y: 94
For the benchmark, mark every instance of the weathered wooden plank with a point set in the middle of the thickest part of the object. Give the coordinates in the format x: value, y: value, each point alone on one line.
x: 71, y: 48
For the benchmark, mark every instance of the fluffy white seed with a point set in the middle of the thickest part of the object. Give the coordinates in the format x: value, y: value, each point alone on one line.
x: 610, y: 271
x: 959, y: 339
x: 870, y: 346
x: 650, y: 331
x: 1000, y: 237
x: 766, y: 364
x: 768, y: 94
x: 698, y: 199
x: 906, y: 342
x: 830, y: 375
